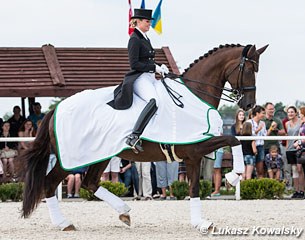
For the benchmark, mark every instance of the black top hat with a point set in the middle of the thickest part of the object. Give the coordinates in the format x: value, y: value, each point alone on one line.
x: 142, y: 14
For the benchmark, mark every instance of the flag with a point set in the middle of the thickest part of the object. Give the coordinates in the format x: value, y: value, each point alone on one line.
x: 157, y: 23
x: 143, y: 4
x: 130, y: 30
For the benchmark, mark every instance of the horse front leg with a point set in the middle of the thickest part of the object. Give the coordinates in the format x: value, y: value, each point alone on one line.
x: 193, y: 173
x: 234, y: 176
x: 91, y: 183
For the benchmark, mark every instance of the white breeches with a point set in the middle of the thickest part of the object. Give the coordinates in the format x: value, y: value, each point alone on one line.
x: 144, y: 87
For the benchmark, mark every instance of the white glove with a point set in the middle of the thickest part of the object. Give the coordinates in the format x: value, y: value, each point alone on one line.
x: 165, y: 69
x: 162, y: 70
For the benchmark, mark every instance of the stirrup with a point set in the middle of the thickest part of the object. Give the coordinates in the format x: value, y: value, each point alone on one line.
x: 135, y: 143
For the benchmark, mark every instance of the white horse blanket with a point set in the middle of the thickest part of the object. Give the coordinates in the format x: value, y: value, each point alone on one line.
x: 88, y: 130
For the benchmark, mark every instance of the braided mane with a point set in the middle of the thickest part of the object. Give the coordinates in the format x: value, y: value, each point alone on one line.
x: 209, y: 53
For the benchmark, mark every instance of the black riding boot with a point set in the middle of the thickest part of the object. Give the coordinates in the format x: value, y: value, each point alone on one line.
x: 147, y: 113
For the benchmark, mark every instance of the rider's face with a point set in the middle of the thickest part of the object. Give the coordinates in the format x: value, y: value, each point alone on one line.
x: 143, y: 25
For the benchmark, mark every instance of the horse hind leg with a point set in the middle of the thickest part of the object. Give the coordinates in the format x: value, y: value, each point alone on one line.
x: 53, y: 178
x: 91, y: 183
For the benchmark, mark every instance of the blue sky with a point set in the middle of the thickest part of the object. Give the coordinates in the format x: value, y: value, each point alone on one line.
x: 190, y: 29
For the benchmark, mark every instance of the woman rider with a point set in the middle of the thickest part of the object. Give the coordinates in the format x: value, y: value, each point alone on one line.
x: 141, y: 79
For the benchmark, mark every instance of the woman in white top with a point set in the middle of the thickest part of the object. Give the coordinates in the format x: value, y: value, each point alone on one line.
x: 293, y: 126
x: 259, y: 129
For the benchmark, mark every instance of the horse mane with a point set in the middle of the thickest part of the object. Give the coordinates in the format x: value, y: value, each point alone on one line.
x: 209, y: 53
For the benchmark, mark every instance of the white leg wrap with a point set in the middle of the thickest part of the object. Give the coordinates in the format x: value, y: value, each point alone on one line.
x: 115, y: 202
x: 238, y: 159
x: 196, y: 220
x: 55, y: 214
x: 195, y: 207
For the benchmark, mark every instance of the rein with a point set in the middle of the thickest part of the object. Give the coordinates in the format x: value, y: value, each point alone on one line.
x: 236, y: 93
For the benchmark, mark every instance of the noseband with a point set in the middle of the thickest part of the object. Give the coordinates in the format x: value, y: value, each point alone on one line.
x: 236, y: 94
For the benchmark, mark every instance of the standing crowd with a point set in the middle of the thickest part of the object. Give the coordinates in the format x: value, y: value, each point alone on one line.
x: 274, y: 159
x: 16, y: 126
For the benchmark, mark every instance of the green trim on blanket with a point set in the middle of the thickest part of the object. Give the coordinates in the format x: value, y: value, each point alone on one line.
x: 196, y: 95
x: 207, y: 137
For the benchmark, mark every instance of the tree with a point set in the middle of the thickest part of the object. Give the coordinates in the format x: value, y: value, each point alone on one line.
x: 55, y: 102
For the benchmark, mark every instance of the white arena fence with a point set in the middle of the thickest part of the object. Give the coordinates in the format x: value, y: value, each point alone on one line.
x: 237, y: 191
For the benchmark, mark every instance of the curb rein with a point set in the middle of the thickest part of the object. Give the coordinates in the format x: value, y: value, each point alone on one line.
x: 236, y: 93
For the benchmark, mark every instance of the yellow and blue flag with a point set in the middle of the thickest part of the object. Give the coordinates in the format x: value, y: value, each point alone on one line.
x: 157, y: 23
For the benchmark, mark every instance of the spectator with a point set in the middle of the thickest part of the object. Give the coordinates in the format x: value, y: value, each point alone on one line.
x: 26, y: 130
x: 1, y: 172
x: 125, y: 175
x: 112, y: 170
x: 274, y: 163
x: 145, y: 187
x: 167, y: 173
x: 1, y: 122
x: 293, y: 126
x: 301, y: 144
x: 8, y: 153
x: 286, y: 167
x: 276, y: 129
x: 36, y: 115
x: 259, y: 129
x: 153, y: 175
x: 217, y: 173
x: 238, y: 125
x: 249, y: 150
x: 182, y: 172
x: 74, y: 181
x: 135, y: 180
x: 16, y: 121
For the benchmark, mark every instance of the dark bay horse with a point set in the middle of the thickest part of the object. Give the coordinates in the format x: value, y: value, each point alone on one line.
x: 206, y: 78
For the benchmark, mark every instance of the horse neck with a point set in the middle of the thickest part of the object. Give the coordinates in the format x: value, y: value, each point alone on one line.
x: 211, y: 70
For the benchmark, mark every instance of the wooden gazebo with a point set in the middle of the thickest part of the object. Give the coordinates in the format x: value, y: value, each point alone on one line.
x: 60, y: 72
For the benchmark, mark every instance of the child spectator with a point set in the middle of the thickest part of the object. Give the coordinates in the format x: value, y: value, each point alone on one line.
x: 274, y: 163
x: 249, y: 150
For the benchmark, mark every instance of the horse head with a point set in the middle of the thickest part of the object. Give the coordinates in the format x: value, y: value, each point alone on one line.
x: 243, y: 76
x: 233, y: 63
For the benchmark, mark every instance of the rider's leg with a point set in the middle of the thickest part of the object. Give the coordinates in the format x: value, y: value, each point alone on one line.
x: 145, y: 89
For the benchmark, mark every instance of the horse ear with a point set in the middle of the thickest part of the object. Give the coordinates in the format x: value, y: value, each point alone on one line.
x: 261, y: 50
x: 251, y: 51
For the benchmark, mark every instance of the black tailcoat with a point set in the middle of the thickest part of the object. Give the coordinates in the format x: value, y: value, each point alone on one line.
x: 141, y: 59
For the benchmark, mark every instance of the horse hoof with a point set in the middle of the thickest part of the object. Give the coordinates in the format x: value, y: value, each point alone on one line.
x: 125, y: 218
x: 206, y: 227
x: 71, y: 227
x: 232, y: 178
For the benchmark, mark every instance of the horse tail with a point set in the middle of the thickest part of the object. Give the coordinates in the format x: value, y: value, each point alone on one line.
x: 36, y: 159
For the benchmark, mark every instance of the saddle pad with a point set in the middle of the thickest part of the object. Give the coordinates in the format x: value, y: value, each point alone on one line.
x: 88, y: 130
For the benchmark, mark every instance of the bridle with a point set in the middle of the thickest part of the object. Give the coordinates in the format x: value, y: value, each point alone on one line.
x: 236, y: 94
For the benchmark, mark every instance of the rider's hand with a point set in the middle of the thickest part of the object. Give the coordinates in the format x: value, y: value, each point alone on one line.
x: 162, y: 70
x: 165, y: 68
